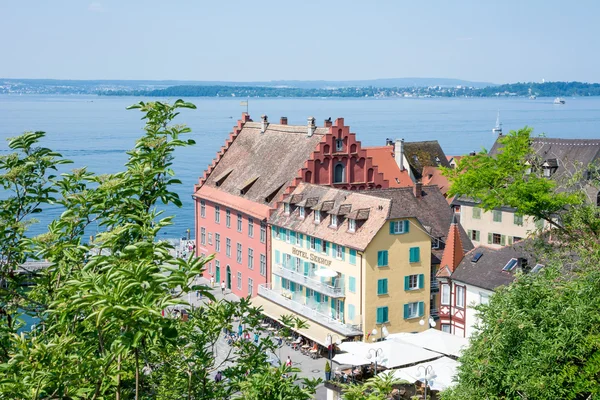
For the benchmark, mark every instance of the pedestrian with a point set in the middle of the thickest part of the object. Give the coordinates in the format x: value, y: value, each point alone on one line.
x: 288, y: 362
x: 212, y: 281
x: 240, y: 329
x: 330, y: 350
x: 197, y: 293
x: 218, y: 377
x: 256, y: 337
x: 223, y: 288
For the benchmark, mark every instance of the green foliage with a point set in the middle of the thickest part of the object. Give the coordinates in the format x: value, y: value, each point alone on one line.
x: 277, y: 384
x: 327, y: 366
x: 100, y: 303
x: 379, y: 387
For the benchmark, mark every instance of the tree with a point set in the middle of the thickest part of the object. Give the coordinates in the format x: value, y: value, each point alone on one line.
x: 101, y: 303
x: 379, y: 387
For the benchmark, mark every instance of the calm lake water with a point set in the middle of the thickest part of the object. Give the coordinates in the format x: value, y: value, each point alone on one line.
x: 96, y: 131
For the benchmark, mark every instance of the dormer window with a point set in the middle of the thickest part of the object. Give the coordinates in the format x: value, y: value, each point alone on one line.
x: 547, y: 172
x: 435, y: 243
x: 527, y: 168
x: 286, y: 208
x: 334, y: 221
x: 301, y: 212
x: 351, y: 225
x: 339, y: 144
x: 317, y: 217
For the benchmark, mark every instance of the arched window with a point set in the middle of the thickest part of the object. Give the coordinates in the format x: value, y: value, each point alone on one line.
x: 339, y: 173
x: 326, y: 149
x: 370, y: 175
x: 308, y: 176
x: 353, y: 148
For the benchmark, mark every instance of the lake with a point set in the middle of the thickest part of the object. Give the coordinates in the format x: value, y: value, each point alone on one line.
x: 96, y: 131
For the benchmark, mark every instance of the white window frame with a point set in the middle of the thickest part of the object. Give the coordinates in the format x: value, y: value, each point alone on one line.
x: 239, y: 253
x: 250, y: 258
x: 240, y: 222
x: 286, y: 208
x: 228, y: 247
x: 301, y: 212
x: 210, y: 238
x: 317, y: 217
x: 446, y: 328
x: 239, y: 281
x: 298, y: 266
x: 413, y: 282
x: 250, y: 227
x: 217, y: 214
x: 334, y: 220
x: 351, y: 225
x: 338, y: 251
x: 445, y: 294
x: 263, y: 265
x: 228, y: 218
x: 312, y: 243
x: 460, y: 299
x: 435, y: 243
x: 339, y: 144
x: 484, y: 298
x: 203, y: 236
x: 202, y: 209
x: 398, y: 227
x: 288, y: 235
x: 217, y: 242
x: 263, y: 232
x: 250, y: 286
x: 413, y: 309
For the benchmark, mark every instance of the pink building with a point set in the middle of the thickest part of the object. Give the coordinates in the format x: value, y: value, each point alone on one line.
x: 259, y: 164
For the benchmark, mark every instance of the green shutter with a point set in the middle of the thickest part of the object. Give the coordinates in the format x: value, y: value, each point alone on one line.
x: 414, y: 254
x: 385, y: 258
x: 490, y: 238
x: 406, y: 311
x: 421, y: 281
x: 293, y: 236
x: 421, y: 309
x: 306, y: 268
x: 351, y: 312
x: 470, y: 233
x: 392, y: 227
x: 477, y: 235
x: 317, y: 244
x: 352, y: 256
x: 273, y: 229
x: 385, y: 314
x: 292, y: 286
x: 343, y: 253
x: 379, y: 258
x: 406, y: 282
x: 300, y: 242
x: 502, y: 240
x: 510, y: 240
x: 406, y: 226
x: 379, y: 282
x: 277, y: 257
x: 327, y: 247
x: 385, y: 286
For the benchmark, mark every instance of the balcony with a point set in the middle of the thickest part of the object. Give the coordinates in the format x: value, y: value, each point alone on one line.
x: 311, y: 282
x: 435, y: 286
x: 311, y: 311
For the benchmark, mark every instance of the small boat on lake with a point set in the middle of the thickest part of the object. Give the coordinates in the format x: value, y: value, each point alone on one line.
x: 497, y: 130
x: 559, y: 100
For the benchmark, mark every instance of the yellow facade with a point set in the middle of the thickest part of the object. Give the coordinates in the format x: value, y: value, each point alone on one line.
x: 399, y: 266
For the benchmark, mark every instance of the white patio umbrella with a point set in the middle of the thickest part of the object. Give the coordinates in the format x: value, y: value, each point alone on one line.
x: 326, y: 273
x: 350, y: 359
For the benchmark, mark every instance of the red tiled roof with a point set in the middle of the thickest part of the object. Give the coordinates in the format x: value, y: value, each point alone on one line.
x: 260, y: 211
x: 433, y: 176
x: 453, y: 252
x: 383, y: 157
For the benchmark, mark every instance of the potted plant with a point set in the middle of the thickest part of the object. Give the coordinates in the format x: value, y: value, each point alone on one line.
x: 327, y: 371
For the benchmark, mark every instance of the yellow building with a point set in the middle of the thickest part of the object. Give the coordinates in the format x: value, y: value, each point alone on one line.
x: 348, y: 262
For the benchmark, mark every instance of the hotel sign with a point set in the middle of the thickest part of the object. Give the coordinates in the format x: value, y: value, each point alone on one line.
x: 311, y: 257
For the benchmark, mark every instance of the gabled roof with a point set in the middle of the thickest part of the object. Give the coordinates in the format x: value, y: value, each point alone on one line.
x: 263, y: 165
x: 431, y: 209
x: 424, y: 154
x: 383, y: 157
x: 433, y: 176
x: 453, y: 252
x: 371, y: 210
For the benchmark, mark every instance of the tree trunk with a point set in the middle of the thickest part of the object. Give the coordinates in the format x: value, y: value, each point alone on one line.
x: 137, y: 374
x: 119, y: 378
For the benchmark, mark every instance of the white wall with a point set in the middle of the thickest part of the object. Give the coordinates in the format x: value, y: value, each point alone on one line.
x: 474, y: 295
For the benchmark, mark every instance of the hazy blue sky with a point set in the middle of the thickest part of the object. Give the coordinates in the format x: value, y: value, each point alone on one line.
x: 484, y: 40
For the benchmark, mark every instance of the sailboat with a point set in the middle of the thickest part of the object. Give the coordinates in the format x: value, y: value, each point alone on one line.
x: 498, y: 128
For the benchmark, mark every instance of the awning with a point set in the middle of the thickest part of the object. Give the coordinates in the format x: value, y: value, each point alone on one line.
x: 434, y: 340
x: 314, y: 332
x: 391, y: 353
x: 444, y: 371
x: 351, y: 359
x: 326, y: 273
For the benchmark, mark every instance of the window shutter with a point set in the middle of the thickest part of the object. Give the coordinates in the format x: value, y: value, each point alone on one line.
x: 277, y: 257
x: 477, y: 235
x: 327, y: 246
x: 406, y: 282
x: 379, y: 282
x: 392, y: 227
x: 306, y: 268
x: 352, y: 256
x: 421, y: 308
x: 273, y: 231
x: 318, y: 244
x: 307, y: 242
x: 385, y: 257
x: 406, y: 226
x: 421, y: 281
x: 502, y: 240
x: 470, y: 233
x: 385, y: 314
x: 318, y: 297
x: 406, y: 311
x: 385, y: 286
x: 292, y: 286
x: 293, y: 236
x: 490, y: 238
x: 343, y: 253
x: 510, y: 240
x: 417, y: 254
x: 379, y: 258
x: 301, y: 239
x: 379, y: 312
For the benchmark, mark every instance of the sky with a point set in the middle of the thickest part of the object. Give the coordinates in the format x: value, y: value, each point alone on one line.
x: 491, y: 41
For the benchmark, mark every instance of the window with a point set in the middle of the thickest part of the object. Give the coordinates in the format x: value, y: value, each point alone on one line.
x: 301, y: 212
x: 202, y: 208
x: 324, y: 246
x: 351, y: 312
x: 382, y: 287
x: 228, y: 247
x: 460, y: 296
x: 352, y: 253
x: 339, y: 144
x: 517, y: 239
x: 339, y: 251
x: 484, y: 298
x: 510, y: 265
x: 518, y: 220
x: 435, y: 243
x: 317, y: 217
x: 412, y: 282
x: 496, y: 238
x: 210, y: 268
x: 414, y: 254
x: 351, y: 225
x: 352, y: 284
x: 250, y: 286
x: 250, y: 227
x: 539, y: 224
x: 228, y: 218
x: 239, y: 280
x: 446, y: 328
x: 497, y: 214
x: 339, y: 173
x: 312, y: 243
x: 476, y: 213
x: 250, y: 259
x: 474, y: 235
x: 239, y: 253
x: 547, y: 172
x: 263, y: 232
x: 263, y: 265
x: 239, y: 222
x: 382, y: 315
x: 537, y: 268
x: 414, y: 309
x: 217, y: 242
x: 445, y: 288
x: 202, y: 235
x: 286, y: 208
x: 334, y: 221
x: 398, y: 227
x: 298, y: 264
x: 287, y: 235
x: 217, y: 265
x: 299, y: 239
x: 382, y: 258
x: 218, y: 214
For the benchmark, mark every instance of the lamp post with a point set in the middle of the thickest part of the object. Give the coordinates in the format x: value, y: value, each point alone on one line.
x: 329, y: 341
x: 377, y: 353
x: 431, y: 322
x: 428, y: 375
x: 384, y: 333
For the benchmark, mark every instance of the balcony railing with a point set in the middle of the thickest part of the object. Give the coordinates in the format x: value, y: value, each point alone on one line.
x: 287, y: 300
x: 310, y: 282
x: 435, y: 286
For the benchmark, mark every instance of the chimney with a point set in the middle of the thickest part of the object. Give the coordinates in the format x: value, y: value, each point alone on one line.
x: 245, y: 117
x: 399, y: 153
x: 263, y: 123
x: 328, y: 123
x: 418, y: 189
x: 472, y: 153
x: 311, y: 126
x: 283, y: 121
x: 388, y: 142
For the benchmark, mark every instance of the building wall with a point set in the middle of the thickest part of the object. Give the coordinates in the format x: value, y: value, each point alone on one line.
x: 462, y: 320
x: 474, y: 298
x: 486, y: 225
x: 212, y: 228
x: 398, y: 247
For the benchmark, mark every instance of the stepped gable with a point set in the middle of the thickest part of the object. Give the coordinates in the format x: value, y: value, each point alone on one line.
x: 260, y: 159
x: 424, y: 154
x: 370, y: 212
x: 384, y: 158
x: 429, y: 206
x: 453, y: 251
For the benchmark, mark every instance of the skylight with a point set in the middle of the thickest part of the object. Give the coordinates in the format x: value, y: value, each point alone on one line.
x: 476, y: 257
x: 537, y: 268
x: 510, y: 265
